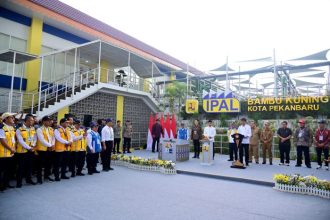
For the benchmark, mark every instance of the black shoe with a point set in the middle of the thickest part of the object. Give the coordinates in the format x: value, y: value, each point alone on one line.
x: 57, y: 179
x: 309, y: 166
x: 96, y: 171
x: 30, y: 182
x: 264, y: 162
x: 230, y: 160
x: 80, y: 174
x: 90, y: 173
x: 73, y: 175
x: 65, y: 177
x: 19, y: 185
x: 270, y: 163
x: 151, y: 151
x: 197, y: 157
x: 257, y: 162
x: 194, y: 157
x: 250, y: 161
x: 50, y: 179
x: 118, y: 152
x: 105, y: 170
x: 39, y: 182
x: 129, y: 152
x: 110, y: 168
x: 297, y: 165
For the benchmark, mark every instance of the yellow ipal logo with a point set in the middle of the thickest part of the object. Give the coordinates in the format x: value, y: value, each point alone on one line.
x: 191, y: 106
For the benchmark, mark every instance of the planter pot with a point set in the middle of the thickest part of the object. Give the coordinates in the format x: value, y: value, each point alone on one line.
x: 144, y: 167
x: 303, y: 190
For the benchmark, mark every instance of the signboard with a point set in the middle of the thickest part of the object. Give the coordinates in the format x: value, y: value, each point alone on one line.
x: 220, y: 103
x: 191, y: 106
x: 299, y: 103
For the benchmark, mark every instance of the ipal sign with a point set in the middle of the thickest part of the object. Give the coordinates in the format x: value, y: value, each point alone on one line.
x: 218, y: 102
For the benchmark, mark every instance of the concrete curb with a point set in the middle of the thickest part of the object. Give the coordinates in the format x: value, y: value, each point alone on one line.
x: 230, y: 178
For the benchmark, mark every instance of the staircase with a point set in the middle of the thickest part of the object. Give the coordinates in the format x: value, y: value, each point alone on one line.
x: 74, y: 88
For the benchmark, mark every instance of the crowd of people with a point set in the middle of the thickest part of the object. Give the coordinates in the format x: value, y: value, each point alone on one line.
x: 46, y: 149
x: 252, y: 137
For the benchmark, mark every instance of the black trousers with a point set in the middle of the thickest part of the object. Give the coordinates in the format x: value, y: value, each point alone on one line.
x: 106, y: 155
x: 300, y: 150
x: 127, y: 144
x: 5, y: 164
x: 116, y: 143
x: 285, y: 152
x: 24, y: 166
x: 92, y: 159
x: 61, y: 160
x: 81, y: 161
x: 197, y: 147
x: 73, y: 161
x: 154, y: 140
x: 43, y: 160
x: 232, y: 151
x: 244, y: 151
x: 319, y: 151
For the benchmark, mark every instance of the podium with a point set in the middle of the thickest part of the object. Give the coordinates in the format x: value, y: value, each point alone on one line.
x: 174, y: 150
x: 207, y: 152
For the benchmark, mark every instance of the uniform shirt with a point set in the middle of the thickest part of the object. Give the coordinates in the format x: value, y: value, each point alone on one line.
x: 117, y: 131
x: 266, y: 135
x: 59, y: 138
x: 255, y: 138
x: 21, y: 140
x: 210, y: 132
x: 41, y: 137
x: 284, y: 133
x: 74, y: 137
x: 230, y: 133
x: 196, y: 132
x: 246, y: 132
x: 107, y: 134
x: 183, y: 134
x: 303, y: 137
x: 128, y: 130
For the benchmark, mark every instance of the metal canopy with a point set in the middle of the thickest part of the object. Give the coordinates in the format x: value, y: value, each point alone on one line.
x: 21, y: 57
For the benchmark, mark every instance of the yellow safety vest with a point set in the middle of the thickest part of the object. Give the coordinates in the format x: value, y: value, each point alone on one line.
x: 79, y: 145
x: 10, y: 138
x: 40, y: 146
x: 28, y: 137
x: 65, y: 134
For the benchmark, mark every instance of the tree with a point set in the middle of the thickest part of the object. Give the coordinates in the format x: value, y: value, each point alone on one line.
x: 175, y: 93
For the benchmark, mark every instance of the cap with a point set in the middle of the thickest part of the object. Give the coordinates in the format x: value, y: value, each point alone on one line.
x: 93, y: 124
x: 46, y: 118
x: 76, y: 121
x: 108, y: 120
x: 322, y: 121
x: 6, y: 115
x: 301, y: 121
x: 63, y: 120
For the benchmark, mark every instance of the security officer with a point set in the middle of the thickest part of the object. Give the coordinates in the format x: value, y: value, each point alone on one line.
x: 27, y: 140
x: 63, y: 142
x: 75, y: 148
x: 322, y: 139
x: 93, y: 148
x: 254, y: 142
x: 45, y: 149
x: 266, y: 138
x: 7, y: 149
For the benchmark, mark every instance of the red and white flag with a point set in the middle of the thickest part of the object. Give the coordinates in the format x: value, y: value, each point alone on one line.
x: 162, y: 123
x: 167, y: 129
x: 149, y: 141
x: 173, y: 127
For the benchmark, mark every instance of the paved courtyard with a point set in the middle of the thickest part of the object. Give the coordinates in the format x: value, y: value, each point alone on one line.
x: 130, y: 194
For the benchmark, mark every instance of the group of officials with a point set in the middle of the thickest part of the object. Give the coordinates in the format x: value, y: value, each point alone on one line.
x: 43, y: 149
x: 303, y: 138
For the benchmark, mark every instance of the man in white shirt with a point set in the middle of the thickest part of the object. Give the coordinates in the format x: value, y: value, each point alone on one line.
x: 245, y: 130
x: 107, y: 145
x: 209, y: 133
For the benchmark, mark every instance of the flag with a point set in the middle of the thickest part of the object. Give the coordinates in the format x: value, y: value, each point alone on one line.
x: 167, y: 130
x: 149, y: 141
x: 173, y: 127
x: 162, y: 124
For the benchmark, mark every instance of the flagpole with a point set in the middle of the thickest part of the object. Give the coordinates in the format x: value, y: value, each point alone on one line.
x: 275, y: 75
x: 227, y: 80
x: 187, y: 79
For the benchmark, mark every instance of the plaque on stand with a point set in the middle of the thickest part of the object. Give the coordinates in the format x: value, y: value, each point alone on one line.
x: 237, y: 141
x: 207, y: 152
x: 174, y: 150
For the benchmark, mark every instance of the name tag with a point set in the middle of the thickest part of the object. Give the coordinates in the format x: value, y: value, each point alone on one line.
x: 321, y: 138
x: 30, y: 139
x: 300, y: 134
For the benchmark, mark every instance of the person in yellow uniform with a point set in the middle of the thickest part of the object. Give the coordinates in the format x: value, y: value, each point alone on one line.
x: 63, y: 142
x: 45, y: 148
x: 77, y: 137
x: 27, y: 140
x: 7, y: 149
x: 82, y: 151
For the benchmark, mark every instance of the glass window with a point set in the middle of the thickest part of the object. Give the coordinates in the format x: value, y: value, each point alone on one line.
x: 4, y: 41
